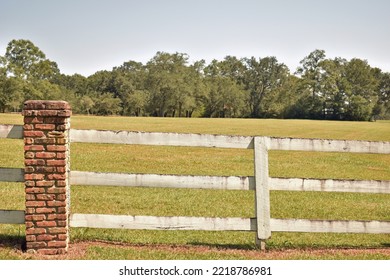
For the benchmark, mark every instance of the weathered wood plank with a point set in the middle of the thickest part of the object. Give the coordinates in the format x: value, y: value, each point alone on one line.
x: 161, y: 181
x: 209, y: 140
x: 329, y: 185
x: 323, y: 145
x: 300, y: 225
x: 222, y: 224
x: 262, y: 198
x: 11, y: 175
x: 11, y: 131
x: 11, y: 217
x: 161, y: 223
x: 222, y: 182
x: 157, y: 138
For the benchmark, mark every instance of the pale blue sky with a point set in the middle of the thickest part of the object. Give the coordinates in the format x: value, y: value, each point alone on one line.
x: 85, y: 36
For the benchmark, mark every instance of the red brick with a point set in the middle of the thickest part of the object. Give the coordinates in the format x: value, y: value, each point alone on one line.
x: 62, y: 141
x: 28, y: 127
x: 61, y: 197
x: 62, y: 237
x: 55, y: 120
x: 29, y: 177
x: 45, y: 155
x: 36, y: 148
x: 56, y: 203
x: 34, y: 105
x: 56, y: 190
x: 29, y: 183
x: 33, y: 120
x: 29, y: 113
x: 56, y: 176
x: 47, y: 224
x: 34, y: 162
x: 57, y: 230
x: 29, y: 225
x: 29, y: 141
x: 34, y: 190
x: 61, y: 127
x: 45, y: 237
x: 29, y: 169
x: 64, y: 113
x: 35, y: 217
x: 32, y: 245
x: 44, y: 169
x: 35, y: 203
x: 29, y: 155
x: 61, y: 183
x: 62, y: 223
x: 45, y: 126
x: 56, y: 162
x: 45, y: 210
x: 33, y: 133
x: 56, y: 148
x: 31, y: 238
x: 57, y: 217
x: 29, y: 210
x: 30, y: 197
x: 57, y: 244
x: 47, y: 113
x: 61, y: 156
x: 61, y: 210
x: 61, y: 170
x: 47, y: 197
x: 45, y: 183
x: 45, y: 141
x: 56, y: 134
x: 57, y: 105
x: 35, y: 231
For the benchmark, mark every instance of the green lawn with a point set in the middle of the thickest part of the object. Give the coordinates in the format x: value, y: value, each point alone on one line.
x: 214, y: 203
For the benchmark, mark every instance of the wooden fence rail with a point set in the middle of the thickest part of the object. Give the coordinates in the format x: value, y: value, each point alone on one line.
x: 84, y: 178
x: 261, y: 183
x: 208, y: 140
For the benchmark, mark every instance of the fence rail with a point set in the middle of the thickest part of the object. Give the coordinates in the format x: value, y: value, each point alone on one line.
x: 208, y: 224
x: 225, y: 224
x: 209, y: 140
x: 261, y: 183
x: 84, y: 178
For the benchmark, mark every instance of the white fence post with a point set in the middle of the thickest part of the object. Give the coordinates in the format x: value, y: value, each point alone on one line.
x: 262, y: 199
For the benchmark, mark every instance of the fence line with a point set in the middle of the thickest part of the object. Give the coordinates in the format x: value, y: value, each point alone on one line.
x: 261, y: 183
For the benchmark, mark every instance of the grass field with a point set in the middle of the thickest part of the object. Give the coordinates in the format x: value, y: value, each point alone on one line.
x: 206, y: 161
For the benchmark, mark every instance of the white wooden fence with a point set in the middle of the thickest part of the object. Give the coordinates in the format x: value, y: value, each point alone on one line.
x: 261, y: 183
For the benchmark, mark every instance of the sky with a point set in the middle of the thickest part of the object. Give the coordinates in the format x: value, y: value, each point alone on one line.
x: 86, y: 36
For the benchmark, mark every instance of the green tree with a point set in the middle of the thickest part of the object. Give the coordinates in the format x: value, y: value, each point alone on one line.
x: 25, y: 60
x: 383, y: 105
x: 263, y: 78
x: 363, y: 85
x: 311, y: 73
x: 166, y: 82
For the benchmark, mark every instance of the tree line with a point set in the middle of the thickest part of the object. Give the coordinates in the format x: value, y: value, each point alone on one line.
x: 169, y: 86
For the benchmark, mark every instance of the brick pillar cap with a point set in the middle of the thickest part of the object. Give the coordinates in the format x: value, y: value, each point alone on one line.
x: 46, y: 105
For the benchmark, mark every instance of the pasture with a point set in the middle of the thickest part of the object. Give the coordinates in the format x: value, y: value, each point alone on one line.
x: 141, y: 244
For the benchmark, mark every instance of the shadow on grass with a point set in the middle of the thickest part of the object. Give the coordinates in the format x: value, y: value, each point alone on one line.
x: 13, y: 241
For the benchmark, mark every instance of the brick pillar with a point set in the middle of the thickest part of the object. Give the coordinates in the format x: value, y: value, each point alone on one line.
x: 46, y: 153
